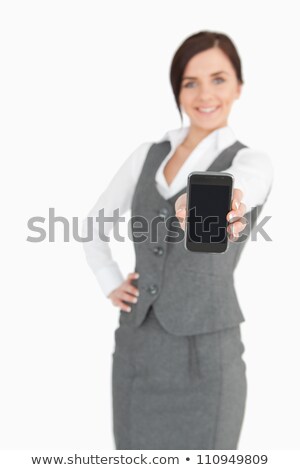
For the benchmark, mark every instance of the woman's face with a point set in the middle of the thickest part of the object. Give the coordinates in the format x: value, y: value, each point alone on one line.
x: 208, y: 89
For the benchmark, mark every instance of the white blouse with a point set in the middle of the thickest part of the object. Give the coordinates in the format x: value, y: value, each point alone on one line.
x: 252, y: 170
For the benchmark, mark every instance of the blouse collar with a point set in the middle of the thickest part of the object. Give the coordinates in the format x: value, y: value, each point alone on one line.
x: 218, y: 139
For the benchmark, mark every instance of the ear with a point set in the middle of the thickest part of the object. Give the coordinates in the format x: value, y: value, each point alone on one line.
x: 239, y: 90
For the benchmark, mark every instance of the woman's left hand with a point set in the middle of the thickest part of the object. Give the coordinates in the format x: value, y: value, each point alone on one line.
x: 234, y: 216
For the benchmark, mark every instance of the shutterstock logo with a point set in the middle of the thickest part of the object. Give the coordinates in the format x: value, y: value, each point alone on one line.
x: 139, y: 228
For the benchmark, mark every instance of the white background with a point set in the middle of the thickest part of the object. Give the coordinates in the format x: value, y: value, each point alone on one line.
x: 82, y: 85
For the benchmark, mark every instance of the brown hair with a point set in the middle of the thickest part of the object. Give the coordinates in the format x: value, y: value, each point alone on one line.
x: 193, y: 45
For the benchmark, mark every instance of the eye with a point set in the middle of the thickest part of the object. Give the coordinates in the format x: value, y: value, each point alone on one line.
x: 187, y: 84
x: 220, y: 78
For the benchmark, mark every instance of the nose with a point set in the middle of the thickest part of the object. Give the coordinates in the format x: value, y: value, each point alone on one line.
x: 204, y: 92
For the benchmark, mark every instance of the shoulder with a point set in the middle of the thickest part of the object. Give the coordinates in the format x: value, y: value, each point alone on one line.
x: 142, y: 148
x: 254, y: 171
x: 254, y: 157
x: 139, y: 153
x: 137, y: 158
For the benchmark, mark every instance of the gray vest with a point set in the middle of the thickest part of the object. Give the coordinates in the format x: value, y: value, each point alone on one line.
x: 190, y: 293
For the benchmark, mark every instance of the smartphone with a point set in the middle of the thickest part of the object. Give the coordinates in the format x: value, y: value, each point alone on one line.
x: 209, y: 196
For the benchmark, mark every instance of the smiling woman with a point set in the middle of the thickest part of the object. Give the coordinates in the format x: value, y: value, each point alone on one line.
x: 206, y: 77
x: 211, y: 94
x: 178, y: 375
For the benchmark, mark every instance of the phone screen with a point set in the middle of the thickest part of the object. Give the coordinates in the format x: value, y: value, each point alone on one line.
x: 208, y: 205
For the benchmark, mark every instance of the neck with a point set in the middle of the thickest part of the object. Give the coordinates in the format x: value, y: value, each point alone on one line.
x: 194, y: 136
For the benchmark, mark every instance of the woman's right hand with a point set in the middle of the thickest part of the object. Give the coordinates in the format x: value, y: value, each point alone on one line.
x: 126, y: 291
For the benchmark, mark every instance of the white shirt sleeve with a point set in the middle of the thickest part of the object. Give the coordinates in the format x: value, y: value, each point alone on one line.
x: 253, y: 173
x: 117, y: 195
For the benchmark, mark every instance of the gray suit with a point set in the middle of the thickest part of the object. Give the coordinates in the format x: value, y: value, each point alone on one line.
x: 178, y: 375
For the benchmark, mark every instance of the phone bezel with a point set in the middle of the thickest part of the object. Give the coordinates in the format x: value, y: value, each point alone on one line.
x: 207, y: 177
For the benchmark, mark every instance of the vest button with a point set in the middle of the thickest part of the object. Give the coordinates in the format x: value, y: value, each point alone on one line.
x: 158, y: 250
x: 163, y: 212
x: 153, y: 289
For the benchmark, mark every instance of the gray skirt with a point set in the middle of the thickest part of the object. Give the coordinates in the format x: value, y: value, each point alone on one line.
x: 177, y: 392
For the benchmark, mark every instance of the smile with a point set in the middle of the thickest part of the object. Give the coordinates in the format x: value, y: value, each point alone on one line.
x: 208, y: 110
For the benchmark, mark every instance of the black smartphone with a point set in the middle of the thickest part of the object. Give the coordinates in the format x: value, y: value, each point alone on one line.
x: 209, y: 196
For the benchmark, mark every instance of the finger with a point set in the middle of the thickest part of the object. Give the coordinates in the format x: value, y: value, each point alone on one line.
x: 236, y: 198
x: 110, y: 295
x: 134, y: 275
x: 233, y: 215
x: 181, y: 222
x: 131, y: 289
x: 236, y: 227
x: 233, y: 237
x: 128, y: 297
x: 118, y: 303
x: 180, y: 202
x: 181, y: 214
x: 123, y: 306
x: 242, y: 209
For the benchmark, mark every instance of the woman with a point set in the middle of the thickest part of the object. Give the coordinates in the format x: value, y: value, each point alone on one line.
x: 178, y: 378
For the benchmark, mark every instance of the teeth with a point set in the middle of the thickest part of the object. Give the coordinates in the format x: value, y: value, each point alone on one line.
x: 206, y: 110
